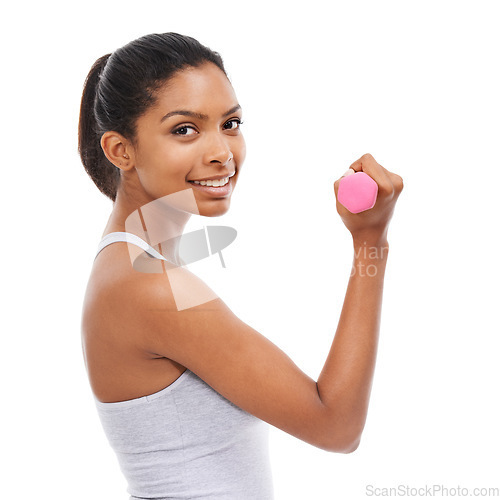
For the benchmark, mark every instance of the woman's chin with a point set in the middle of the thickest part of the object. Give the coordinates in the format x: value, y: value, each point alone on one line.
x: 215, y: 208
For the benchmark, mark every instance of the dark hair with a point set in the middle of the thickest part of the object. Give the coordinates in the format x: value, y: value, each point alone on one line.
x: 121, y: 86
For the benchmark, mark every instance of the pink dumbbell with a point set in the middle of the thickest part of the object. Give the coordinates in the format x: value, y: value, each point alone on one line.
x: 357, y: 192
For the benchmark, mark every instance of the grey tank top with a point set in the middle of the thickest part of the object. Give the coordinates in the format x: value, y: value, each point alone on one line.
x: 187, y: 441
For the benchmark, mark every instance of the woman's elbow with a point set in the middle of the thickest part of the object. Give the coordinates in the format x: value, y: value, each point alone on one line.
x: 343, y: 446
x: 353, y: 447
x: 337, y: 433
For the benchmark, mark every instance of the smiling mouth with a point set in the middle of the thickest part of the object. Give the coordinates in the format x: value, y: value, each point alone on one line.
x: 212, y: 183
x: 218, y: 188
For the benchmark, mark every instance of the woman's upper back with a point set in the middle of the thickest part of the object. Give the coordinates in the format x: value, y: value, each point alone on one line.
x: 118, y: 368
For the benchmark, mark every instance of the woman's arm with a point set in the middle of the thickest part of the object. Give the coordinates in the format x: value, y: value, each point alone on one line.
x: 249, y: 370
x: 346, y: 379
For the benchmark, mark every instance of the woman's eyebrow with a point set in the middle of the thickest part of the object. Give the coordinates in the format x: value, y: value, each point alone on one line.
x: 200, y: 116
x: 232, y: 110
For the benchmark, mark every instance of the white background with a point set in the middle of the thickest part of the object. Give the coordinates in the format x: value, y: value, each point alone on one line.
x: 321, y: 83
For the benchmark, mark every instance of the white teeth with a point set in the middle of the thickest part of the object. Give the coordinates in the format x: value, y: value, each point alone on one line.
x: 214, y: 183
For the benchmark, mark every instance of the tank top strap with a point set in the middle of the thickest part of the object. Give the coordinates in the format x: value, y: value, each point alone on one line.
x: 129, y: 238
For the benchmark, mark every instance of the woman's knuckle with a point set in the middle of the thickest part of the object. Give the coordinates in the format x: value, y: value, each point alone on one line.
x: 398, y: 182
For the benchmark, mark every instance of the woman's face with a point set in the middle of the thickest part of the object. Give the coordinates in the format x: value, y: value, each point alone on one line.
x: 191, y: 133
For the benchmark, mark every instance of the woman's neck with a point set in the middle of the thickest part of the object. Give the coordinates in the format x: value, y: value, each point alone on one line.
x: 159, y: 221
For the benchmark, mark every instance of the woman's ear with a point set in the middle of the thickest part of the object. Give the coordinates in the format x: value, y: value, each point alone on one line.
x: 117, y: 149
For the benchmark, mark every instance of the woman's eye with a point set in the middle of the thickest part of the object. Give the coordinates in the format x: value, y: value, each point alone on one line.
x: 185, y: 130
x: 233, y: 124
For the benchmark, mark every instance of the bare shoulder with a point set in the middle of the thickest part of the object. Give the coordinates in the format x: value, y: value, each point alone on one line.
x: 121, y: 302
x: 116, y: 300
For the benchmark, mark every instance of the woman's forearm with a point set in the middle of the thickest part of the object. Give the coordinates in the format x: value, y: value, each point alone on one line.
x: 345, y: 381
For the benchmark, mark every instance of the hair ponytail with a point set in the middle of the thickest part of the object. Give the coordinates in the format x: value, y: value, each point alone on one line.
x: 104, y: 174
x: 121, y: 86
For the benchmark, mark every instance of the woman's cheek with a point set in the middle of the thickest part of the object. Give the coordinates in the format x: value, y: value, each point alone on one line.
x: 242, y: 151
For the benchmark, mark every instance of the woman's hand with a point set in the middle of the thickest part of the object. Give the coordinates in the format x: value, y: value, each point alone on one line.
x: 372, y: 225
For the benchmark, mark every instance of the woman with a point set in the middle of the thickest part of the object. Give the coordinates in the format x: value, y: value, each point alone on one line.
x: 183, y: 387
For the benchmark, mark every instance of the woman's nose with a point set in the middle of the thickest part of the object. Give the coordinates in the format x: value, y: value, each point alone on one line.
x: 218, y: 151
